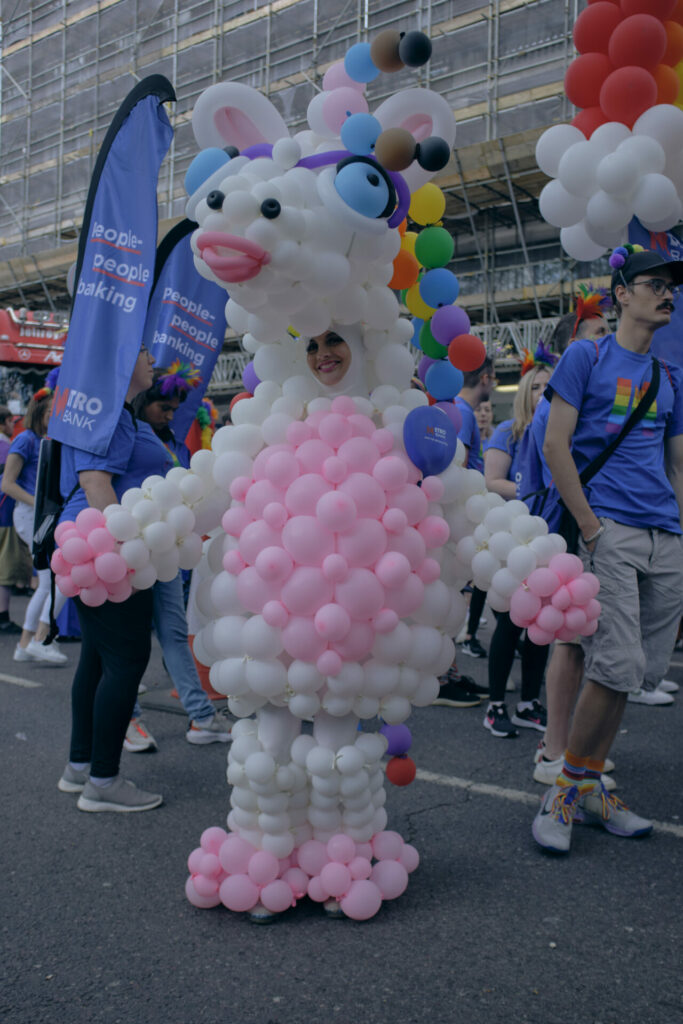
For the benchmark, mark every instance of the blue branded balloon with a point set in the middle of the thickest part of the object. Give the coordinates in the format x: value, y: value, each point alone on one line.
x: 358, y: 63
x: 430, y: 439
x: 439, y: 287
x: 443, y: 380
x: 360, y: 132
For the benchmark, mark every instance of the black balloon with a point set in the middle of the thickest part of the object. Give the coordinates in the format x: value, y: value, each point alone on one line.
x: 433, y: 154
x: 415, y: 49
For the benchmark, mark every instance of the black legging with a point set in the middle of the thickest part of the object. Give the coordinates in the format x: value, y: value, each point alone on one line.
x: 502, y: 654
x: 477, y: 602
x: 115, y: 651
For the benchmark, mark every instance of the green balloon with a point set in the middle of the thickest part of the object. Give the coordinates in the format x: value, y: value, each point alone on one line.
x: 429, y: 345
x: 434, y: 247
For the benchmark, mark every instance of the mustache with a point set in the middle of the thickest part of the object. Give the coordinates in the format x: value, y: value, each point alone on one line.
x: 667, y: 305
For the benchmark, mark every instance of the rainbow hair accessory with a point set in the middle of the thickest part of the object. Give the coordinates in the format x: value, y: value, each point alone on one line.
x: 207, y: 417
x: 590, y: 304
x: 541, y: 357
x: 180, y: 377
x: 42, y: 393
x: 622, y: 253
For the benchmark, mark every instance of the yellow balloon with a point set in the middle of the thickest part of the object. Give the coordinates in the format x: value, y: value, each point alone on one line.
x: 427, y: 205
x: 416, y: 304
x: 408, y: 242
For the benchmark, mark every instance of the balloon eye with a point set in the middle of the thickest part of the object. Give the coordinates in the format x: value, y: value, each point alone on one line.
x: 373, y: 179
x: 214, y: 200
x: 270, y: 208
x: 364, y: 187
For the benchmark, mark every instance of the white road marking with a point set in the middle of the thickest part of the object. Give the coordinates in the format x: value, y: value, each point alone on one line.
x: 16, y: 681
x: 517, y: 796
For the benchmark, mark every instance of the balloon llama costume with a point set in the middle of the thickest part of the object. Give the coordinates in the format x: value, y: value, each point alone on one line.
x: 329, y: 587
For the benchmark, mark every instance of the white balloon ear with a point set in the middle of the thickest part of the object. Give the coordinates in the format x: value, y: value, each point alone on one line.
x: 237, y: 115
x: 423, y: 113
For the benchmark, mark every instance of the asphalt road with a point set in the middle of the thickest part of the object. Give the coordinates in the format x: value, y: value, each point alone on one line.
x: 95, y: 926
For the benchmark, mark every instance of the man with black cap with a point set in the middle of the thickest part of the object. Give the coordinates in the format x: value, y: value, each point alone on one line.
x: 629, y: 518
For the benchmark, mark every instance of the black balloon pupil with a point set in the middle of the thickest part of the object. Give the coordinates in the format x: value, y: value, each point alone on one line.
x: 270, y: 208
x: 214, y: 200
x: 373, y: 179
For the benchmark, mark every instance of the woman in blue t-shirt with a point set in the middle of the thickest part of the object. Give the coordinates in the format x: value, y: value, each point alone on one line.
x: 116, y: 638
x: 157, y: 407
x: 19, y: 482
x: 500, y: 473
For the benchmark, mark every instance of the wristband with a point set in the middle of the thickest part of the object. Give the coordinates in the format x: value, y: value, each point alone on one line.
x: 601, y: 529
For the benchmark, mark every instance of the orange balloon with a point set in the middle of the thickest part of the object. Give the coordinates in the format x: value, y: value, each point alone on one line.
x: 406, y: 270
x: 401, y: 770
x: 404, y: 223
x: 238, y: 398
x: 674, y: 43
x: 467, y: 352
x: 667, y: 83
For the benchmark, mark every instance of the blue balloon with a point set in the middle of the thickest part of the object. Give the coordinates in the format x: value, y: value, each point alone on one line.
x: 362, y: 188
x: 203, y: 166
x: 443, y: 380
x: 360, y: 132
x: 430, y: 439
x: 358, y: 63
x: 439, y: 287
x: 417, y: 327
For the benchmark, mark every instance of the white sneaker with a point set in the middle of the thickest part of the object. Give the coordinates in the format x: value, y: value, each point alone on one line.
x: 539, y: 754
x: 462, y: 636
x: 138, y: 737
x: 652, y: 697
x: 546, y: 773
x: 46, y: 652
x: 22, y: 654
x: 667, y: 686
x: 216, y: 730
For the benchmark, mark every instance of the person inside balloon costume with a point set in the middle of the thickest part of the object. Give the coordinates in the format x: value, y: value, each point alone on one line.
x: 629, y: 521
x: 500, y: 472
x: 157, y: 406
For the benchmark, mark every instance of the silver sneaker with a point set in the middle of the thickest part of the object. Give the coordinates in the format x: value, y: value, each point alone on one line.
x: 602, y: 808
x: 73, y: 781
x: 215, y: 730
x: 138, y: 738
x: 121, y: 796
x: 552, y: 827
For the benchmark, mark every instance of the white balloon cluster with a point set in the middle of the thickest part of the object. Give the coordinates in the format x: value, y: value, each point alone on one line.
x: 601, y: 183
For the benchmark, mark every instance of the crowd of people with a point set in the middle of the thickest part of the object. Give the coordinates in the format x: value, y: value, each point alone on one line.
x: 565, y: 414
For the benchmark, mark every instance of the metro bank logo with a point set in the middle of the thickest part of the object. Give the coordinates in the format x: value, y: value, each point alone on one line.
x: 437, y: 433
x: 76, y: 407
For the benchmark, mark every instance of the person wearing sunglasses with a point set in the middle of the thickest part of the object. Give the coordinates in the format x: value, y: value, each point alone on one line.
x: 629, y: 521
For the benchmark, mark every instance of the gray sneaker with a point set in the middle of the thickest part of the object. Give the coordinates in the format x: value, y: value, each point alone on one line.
x: 73, y: 781
x: 552, y: 827
x: 122, y: 796
x: 602, y: 808
x: 213, y: 730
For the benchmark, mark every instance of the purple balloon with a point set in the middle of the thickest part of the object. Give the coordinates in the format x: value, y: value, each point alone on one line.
x: 424, y: 365
x: 448, y: 322
x: 249, y: 378
x: 399, y: 737
x: 453, y: 413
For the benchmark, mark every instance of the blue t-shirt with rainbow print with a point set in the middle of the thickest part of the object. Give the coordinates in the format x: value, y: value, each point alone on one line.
x: 602, y: 380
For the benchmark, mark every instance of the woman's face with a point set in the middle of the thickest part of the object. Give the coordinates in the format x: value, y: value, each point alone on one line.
x: 143, y: 372
x: 538, y: 387
x: 46, y: 416
x: 160, y: 413
x: 591, y: 330
x: 484, y: 415
x: 328, y: 357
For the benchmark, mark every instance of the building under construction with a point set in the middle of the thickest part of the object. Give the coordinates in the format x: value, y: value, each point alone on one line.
x: 68, y: 64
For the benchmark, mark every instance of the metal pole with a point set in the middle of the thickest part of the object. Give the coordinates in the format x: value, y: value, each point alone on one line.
x: 473, y: 229
x: 520, y: 230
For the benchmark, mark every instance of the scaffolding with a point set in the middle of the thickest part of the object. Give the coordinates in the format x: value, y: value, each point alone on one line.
x: 67, y: 65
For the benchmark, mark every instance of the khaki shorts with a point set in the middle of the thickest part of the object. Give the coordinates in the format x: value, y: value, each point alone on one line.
x: 641, y: 592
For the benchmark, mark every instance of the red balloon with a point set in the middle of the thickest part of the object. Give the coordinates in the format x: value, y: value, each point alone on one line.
x: 638, y: 41
x: 584, y: 79
x: 674, y: 44
x: 668, y: 83
x: 238, y: 398
x: 466, y: 352
x: 677, y: 14
x: 401, y: 770
x: 588, y: 120
x: 662, y: 9
x: 595, y: 25
x: 628, y: 93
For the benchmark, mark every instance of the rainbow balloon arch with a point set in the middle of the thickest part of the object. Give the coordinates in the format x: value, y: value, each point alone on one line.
x: 331, y: 530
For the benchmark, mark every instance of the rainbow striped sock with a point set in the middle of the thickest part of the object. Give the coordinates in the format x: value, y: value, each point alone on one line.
x: 573, y: 772
x: 594, y: 769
